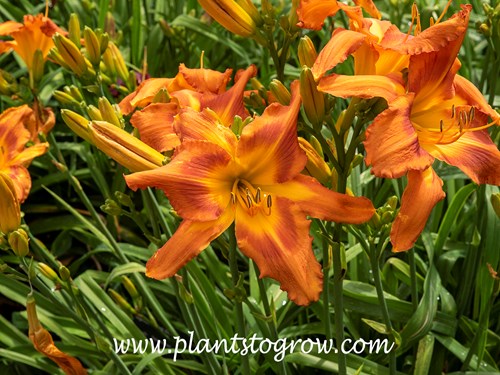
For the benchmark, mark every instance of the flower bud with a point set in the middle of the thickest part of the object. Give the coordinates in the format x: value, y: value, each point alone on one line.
x: 64, y: 98
x: 122, y: 302
x: 64, y: 273
x: 124, y: 199
x: 231, y: 15
x: 108, y: 113
x: 124, y: 148
x: 316, y: 145
x: 249, y: 7
x: 75, y: 93
x: 316, y: 165
x: 312, y: 99
x: 132, y: 291
x: 70, y: 54
x: 280, y: 92
x: 392, y: 202
x: 18, y: 241
x: 56, y: 57
x: 48, y: 272
x: 77, y: 123
x: 306, y: 52
x: 112, y: 208
x: 10, y: 211
x: 74, y: 32
x: 94, y: 113
x: 103, y: 42
x: 92, y: 46
x: 117, y: 60
x: 387, y: 217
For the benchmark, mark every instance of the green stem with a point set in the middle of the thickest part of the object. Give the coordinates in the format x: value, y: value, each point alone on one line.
x: 235, y: 275
x: 374, y: 252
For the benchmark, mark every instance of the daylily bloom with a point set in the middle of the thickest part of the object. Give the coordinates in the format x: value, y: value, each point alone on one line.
x: 43, y: 342
x: 255, y: 181
x: 194, y: 88
x: 34, y: 34
x: 14, y: 155
x: 312, y: 13
x: 439, y: 115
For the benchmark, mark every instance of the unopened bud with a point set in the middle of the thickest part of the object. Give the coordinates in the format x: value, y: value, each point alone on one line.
x: 118, y: 61
x: 48, y: 272
x: 108, y: 113
x: 316, y: 165
x: 18, y: 241
x: 485, y: 29
x: 94, y: 113
x: 112, y: 208
x: 249, y: 7
x: 64, y: 273
x: 392, y: 202
x: 387, y: 217
x: 307, y: 52
x: 70, y: 54
x: 77, y: 123
x: 375, y: 222
x: 280, y: 92
x: 92, y: 46
x: 316, y: 145
x: 103, y: 42
x: 312, y: 99
x: 232, y: 16
x: 65, y: 98
x: 132, y: 291
x: 122, y: 302
x: 74, y: 32
x: 124, y: 199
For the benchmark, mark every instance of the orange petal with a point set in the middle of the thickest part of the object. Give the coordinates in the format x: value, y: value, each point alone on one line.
x: 423, y: 191
x: 466, y: 90
x: 8, y: 27
x: 190, y: 239
x: 43, y: 343
x: 206, y: 80
x: 339, y: 47
x: 155, y: 125
x: 280, y: 245
x: 317, y: 201
x: 312, y: 13
x: 198, y: 180
x: 475, y: 154
x: 230, y: 103
x: 28, y: 154
x: 363, y: 86
x: 144, y: 94
x: 204, y: 126
x: 10, y: 215
x: 22, y: 181
x: 369, y: 7
x: 392, y: 146
x: 13, y: 134
x: 268, y: 148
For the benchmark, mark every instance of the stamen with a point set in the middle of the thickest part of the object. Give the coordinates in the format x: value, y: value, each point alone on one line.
x: 444, y: 11
x: 269, y: 204
x: 453, y: 111
x: 472, y: 113
x: 257, y: 195
x: 441, y: 126
x: 248, y: 202
x: 233, y: 198
x: 414, y: 11
x: 46, y: 8
x: 431, y: 21
x: 201, y: 59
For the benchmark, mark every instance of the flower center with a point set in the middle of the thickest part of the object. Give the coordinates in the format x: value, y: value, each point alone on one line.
x: 451, y: 129
x: 251, y: 199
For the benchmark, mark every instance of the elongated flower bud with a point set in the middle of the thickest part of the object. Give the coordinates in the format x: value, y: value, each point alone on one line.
x: 307, y: 52
x: 114, y: 61
x: 124, y: 148
x: 92, y: 46
x: 280, y: 92
x: 108, y: 113
x: 48, y: 272
x: 230, y: 15
x: 70, y: 54
x: 74, y: 32
x: 77, y: 123
x: 18, y: 241
x: 10, y: 214
x: 312, y: 99
x: 316, y: 165
x: 249, y: 7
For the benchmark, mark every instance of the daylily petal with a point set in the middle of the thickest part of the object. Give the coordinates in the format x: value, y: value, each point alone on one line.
x: 155, y: 125
x: 312, y: 13
x: 144, y: 94
x: 190, y: 239
x: 369, y: 7
x: 423, y: 191
x: 268, y: 147
x: 280, y: 245
x: 8, y: 27
x: 317, y: 201
x: 28, y: 154
x: 392, y: 146
x: 198, y: 180
x: 22, y: 181
x: 474, y: 153
x: 10, y: 215
x: 339, y: 47
x: 13, y: 134
x: 204, y: 126
x: 362, y: 86
x: 465, y: 89
x: 206, y: 80
x: 230, y: 104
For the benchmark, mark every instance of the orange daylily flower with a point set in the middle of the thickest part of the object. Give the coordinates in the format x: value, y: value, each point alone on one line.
x: 194, y: 88
x: 10, y: 212
x: 34, y: 33
x: 255, y: 181
x: 14, y: 155
x: 439, y: 115
x: 312, y: 13
x: 43, y: 342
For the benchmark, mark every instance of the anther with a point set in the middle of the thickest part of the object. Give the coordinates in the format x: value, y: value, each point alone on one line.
x: 441, y: 126
x: 257, y: 195
x: 233, y: 198
x: 249, y: 201
x: 472, y: 113
x: 453, y: 111
x: 464, y: 119
x: 269, y: 201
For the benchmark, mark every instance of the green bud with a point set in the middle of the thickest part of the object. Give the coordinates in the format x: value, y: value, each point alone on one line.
x: 112, y: 208
x: 64, y: 273
x: 74, y: 29
x: 392, y: 202
x: 18, y: 241
x: 122, y: 302
x: 48, y: 272
x: 108, y: 112
x: 92, y: 46
x: 306, y: 52
x: 280, y: 92
x: 124, y: 199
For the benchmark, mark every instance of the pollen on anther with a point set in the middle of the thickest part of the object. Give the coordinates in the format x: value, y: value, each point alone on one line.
x: 257, y: 195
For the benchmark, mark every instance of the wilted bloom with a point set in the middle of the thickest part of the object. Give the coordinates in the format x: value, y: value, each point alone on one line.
x: 14, y: 155
x: 236, y: 16
x: 216, y: 179
x: 193, y: 88
x: 436, y: 114
x: 43, y: 342
x: 312, y: 13
x: 34, y: 34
